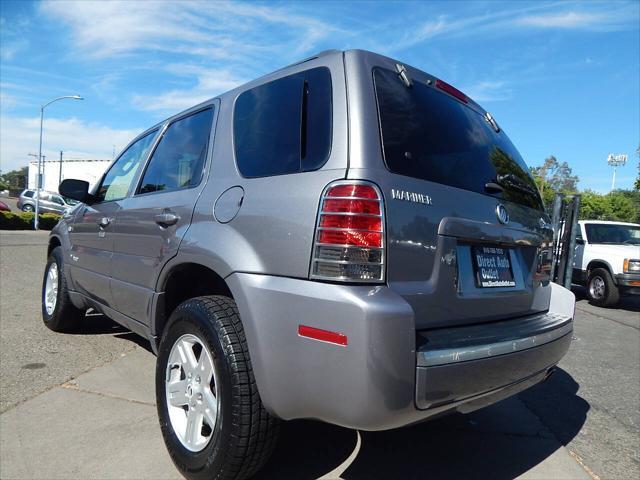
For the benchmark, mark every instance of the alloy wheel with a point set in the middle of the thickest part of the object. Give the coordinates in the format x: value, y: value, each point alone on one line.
x: 192, y: 395
x: 51, y: 289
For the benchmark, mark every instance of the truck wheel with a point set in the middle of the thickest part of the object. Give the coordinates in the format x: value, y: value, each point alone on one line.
x: 58, y: 313
x: 212, y: 419
x: 601, y: 290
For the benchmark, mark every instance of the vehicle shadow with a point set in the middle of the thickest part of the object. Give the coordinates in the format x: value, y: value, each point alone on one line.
x: 630, y: 303
x: 98, y: 324
x: 502, y: 441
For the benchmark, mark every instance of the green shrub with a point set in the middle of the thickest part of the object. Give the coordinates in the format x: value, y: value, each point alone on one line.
x: 24, y: 220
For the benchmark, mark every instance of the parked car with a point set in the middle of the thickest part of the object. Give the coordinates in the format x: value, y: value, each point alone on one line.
x: 50, y: 202
x: 607, y: 260
x: 4, y: 193
x: 370, y: 260
x: 4, y: 207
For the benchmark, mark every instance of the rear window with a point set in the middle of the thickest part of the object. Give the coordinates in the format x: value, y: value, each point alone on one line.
x: 284, y: 126
x: 430, y: 135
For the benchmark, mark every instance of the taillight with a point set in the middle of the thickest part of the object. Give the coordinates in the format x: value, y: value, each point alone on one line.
x: 349, y: 238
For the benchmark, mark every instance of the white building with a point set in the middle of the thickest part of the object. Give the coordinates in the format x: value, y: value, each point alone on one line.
x: 53, y: 172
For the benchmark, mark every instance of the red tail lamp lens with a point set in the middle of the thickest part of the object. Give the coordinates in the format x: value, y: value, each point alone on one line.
x: 350, y: 237
x: 359, y: 191
x: 351, y: 222
x: 368, y: 207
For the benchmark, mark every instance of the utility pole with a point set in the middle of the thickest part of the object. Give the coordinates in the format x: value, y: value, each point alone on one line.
x: 60, y: 174
x: 616, y: 161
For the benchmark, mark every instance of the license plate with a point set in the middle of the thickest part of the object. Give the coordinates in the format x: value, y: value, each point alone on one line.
x: 492, y: 267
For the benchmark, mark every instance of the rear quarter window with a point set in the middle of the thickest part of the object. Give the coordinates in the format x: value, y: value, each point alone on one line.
x: 284, y: 126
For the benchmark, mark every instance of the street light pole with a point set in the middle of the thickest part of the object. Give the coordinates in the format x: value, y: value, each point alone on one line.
x: 39, y: 179
x: 616, y: 161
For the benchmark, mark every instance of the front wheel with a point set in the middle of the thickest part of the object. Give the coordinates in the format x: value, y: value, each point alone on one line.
x: 601, y: 290
x: 212, y: 419
x: 58, y: 313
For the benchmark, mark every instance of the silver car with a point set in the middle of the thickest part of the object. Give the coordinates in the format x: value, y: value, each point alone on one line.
x: 50, y: 202
x: 348, y: 239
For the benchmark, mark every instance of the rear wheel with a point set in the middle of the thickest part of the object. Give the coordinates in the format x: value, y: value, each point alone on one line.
x: 211, y: 416
x: 601, y: 290
x: 27, y: 208
x: 58, y: 313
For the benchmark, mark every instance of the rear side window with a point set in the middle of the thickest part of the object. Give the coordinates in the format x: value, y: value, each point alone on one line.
x: 284, y: 126
x: 29, y: 193
x: 178, y: 161
x: 430, y: 135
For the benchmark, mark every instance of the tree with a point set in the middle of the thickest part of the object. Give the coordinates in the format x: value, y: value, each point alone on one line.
x: 636, y: 186
x: 620, y: 205
x: 555, y: 175
x: 16, y: 178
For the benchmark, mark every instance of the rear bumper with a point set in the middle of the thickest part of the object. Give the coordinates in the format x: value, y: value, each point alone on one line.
x: 378, y: 380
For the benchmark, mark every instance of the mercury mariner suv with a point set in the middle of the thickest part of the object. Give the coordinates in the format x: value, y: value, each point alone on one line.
x: 347, y: 239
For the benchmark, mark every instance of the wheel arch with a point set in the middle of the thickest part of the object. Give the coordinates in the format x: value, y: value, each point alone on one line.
x: 54, y: 242
x: 598, y: 263
x: 180, y: 282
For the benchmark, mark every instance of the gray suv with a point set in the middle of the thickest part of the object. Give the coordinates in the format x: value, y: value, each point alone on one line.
x: 347, y: 239
x: 50, y: 202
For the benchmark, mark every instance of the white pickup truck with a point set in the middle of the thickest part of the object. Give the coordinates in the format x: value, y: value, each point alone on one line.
x: 607, y: 260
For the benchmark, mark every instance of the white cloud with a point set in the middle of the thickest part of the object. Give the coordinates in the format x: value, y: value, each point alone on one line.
x: 564, y: 20
x: 488, y: 91
x: 20, y: 135
x: 210, y: 82
x: 212, y: 29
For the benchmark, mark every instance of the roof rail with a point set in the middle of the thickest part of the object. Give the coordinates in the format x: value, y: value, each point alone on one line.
x: 312, y: 57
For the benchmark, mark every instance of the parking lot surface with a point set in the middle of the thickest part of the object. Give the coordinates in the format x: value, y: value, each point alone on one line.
x: 83, y: 405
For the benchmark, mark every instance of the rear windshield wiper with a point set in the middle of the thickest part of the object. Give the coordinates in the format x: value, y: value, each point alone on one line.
x: 492, y: 187
x: 509, y: 180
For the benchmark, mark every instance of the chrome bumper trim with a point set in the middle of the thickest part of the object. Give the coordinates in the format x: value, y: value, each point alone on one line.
x: 432, y: 358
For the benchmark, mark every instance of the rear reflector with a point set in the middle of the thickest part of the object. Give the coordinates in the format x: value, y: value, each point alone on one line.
x: 322, y: 335
x: 349, y: 238
x: 451, y: 90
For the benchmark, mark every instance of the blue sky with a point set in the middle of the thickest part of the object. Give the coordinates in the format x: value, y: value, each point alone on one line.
x: 561, y: 78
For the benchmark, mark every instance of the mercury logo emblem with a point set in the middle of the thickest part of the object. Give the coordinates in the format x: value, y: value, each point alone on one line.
x: 503, y: 215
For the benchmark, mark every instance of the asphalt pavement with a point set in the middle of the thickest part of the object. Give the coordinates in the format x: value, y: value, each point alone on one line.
x: 82, y: 406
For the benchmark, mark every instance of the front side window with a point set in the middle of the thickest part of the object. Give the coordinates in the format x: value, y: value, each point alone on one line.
x: 57, y: 199
x: 284, y: 126
x: 117, y: 181
x: 178, y: 161
x: 430, y: 135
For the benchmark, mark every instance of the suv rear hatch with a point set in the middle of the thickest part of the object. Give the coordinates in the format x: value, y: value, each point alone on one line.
x: 467, y: 235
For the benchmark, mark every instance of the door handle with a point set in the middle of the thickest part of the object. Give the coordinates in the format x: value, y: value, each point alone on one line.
x: 104, y: 222
x: 166, y: 219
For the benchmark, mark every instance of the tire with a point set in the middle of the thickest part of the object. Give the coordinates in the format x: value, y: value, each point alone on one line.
x: 601, y: 290
x: 27, y: 208
x: 243, y: 433
x: 58, y: 313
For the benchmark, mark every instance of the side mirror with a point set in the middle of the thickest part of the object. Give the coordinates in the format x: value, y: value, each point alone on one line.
x: 75, y: 189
